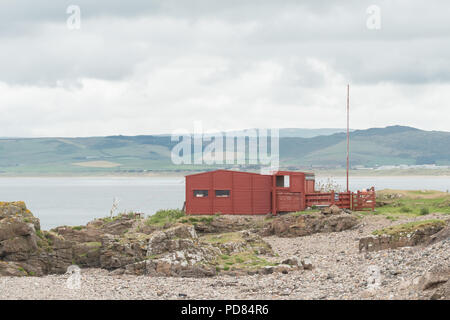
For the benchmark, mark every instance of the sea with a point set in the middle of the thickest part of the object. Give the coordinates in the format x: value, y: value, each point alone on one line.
x: 75, y: 201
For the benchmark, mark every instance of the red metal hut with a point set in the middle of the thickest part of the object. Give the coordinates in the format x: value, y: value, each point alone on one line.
x: 235, y: 192
x: 246, y: 193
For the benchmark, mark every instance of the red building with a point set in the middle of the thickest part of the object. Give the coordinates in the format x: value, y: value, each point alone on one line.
x: 234, y: 192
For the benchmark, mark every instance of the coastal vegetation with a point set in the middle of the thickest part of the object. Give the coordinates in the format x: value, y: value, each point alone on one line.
x: 163, y: 217
x: 413, y: 203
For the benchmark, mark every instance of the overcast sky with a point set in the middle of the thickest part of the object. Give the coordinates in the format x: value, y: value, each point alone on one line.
x: 143, y: 67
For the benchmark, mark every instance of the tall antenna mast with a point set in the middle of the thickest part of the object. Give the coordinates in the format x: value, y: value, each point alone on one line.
x: 348, y: 130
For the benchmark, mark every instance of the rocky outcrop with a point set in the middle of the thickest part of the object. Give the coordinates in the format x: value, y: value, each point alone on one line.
x: 27, y: 250
x: 118, y: 252
x: 24, y: 247
x: 188, y: 247
x: 407, y: 235
x: 180, y: 252
x: 80, y: 234
x: 176, y: 252
x: 307, y: 224
x: 126, y: 244
x: 87, y: 254
x: 237, y: 242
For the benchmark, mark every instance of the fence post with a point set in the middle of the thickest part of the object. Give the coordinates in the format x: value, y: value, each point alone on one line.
x: 358, y: 200
x: 351, y: 201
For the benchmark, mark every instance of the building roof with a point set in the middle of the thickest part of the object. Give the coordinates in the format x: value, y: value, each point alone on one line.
x: 253, y: 173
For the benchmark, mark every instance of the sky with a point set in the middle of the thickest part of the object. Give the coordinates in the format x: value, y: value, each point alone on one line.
x: 146, y: 67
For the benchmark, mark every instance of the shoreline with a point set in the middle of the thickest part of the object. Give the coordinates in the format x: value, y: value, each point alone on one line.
x: 181, y: 174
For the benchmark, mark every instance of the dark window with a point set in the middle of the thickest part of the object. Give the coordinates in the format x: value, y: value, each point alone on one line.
x: 222, y: 193
x: 200, y: 193
x: 283, y: 181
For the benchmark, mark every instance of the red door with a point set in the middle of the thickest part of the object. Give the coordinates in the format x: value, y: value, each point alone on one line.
x: 289, y: 201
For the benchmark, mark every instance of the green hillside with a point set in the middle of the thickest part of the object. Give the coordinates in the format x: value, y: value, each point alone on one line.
x: 393, y: 145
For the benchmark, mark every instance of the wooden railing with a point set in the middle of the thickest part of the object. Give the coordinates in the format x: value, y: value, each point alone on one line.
x: 358, y: 201
x: 341, y: 199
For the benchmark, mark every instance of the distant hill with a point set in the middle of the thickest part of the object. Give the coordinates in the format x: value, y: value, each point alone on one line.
x: 308, y: 133
x: 304, y: 133
x: 392, y: 145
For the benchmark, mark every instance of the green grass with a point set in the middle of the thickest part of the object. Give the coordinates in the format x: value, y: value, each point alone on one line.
x: 197, y: 219
x: 21, y: 270
x: 415, y: 203
x: 93, y: 244
x: 408, y: 227
x: 242, y: 261
x: 127, y: 215
x: 223, y: 238
x: 163, y: 217
x: 405, y: 210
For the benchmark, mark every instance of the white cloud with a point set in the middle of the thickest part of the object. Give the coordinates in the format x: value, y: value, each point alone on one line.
x: 154, y: 68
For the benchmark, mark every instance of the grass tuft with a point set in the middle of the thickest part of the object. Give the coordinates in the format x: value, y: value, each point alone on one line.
x: 165, y: 216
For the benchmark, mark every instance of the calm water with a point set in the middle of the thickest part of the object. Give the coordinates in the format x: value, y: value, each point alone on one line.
x: 75, y: 201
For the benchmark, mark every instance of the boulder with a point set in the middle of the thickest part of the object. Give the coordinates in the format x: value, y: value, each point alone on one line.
x: 292, y: 261
x: 435, y: 283
x: 333, y: 209
x: 307, y: 264
x: 266, y: 270
x: 439, y: 236
x: 283, y: 268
